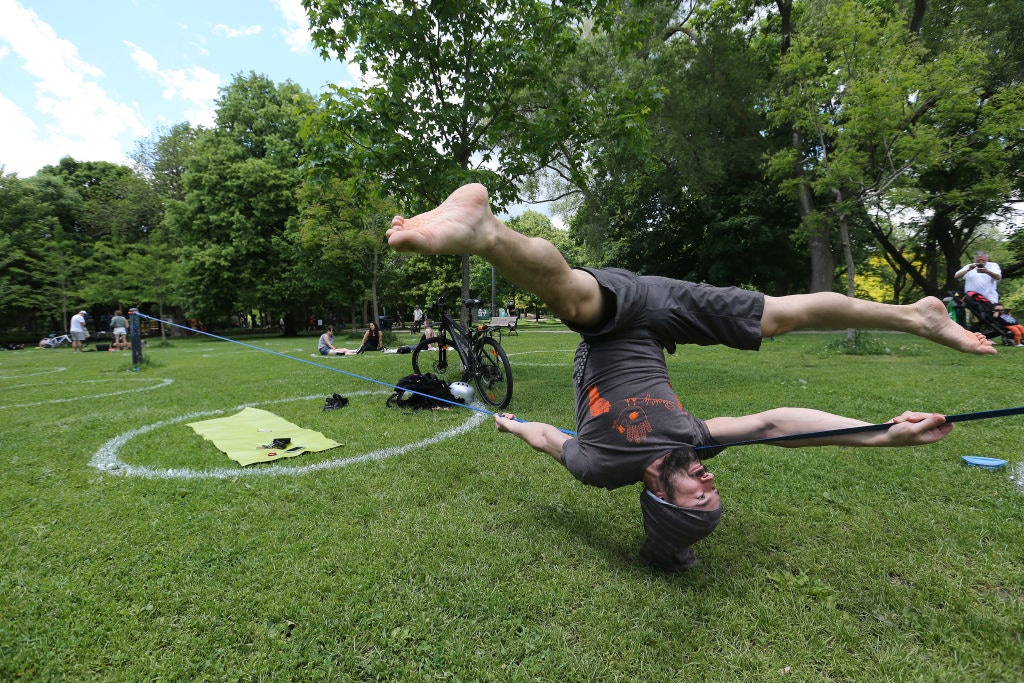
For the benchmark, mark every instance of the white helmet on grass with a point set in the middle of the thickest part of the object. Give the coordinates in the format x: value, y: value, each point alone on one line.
x: 462, y: 391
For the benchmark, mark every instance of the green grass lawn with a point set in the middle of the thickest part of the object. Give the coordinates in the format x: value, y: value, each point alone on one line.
x: 405, y: 556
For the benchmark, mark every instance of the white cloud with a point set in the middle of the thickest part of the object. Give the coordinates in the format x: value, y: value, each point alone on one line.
x: 83, y: 119
x: 296, y: 30
x: 194, y: 84
x: 228, y: 32
x: 19, y: 142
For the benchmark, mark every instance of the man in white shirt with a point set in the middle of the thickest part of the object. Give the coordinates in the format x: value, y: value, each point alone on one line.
x: 981, y: 276
x: 78, y: 330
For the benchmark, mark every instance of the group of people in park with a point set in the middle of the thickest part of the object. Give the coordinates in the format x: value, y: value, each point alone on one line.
x: 373, y: 340
x: 79, y: 331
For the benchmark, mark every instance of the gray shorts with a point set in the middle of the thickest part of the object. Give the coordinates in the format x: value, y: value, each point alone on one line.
x: 677, y: 312
x: 78, y: 336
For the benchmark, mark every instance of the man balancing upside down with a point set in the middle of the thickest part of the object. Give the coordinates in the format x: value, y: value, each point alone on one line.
x: 631, y: 427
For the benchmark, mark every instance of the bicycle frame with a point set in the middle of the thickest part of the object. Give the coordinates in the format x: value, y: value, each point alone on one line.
x: 55, y: 341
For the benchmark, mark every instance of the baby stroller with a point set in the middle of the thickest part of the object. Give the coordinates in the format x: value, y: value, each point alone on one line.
x: 984, y: 318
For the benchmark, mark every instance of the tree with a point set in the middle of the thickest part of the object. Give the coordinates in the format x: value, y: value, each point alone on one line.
x: 342, y: 222
x: 161, y: 160
x: 239, y: 194
x: 531, y: 224
x: 450, y: 101
x: 671, y: 98
x: 35, y: 282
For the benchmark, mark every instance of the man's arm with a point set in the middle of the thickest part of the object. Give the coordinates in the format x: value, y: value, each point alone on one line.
x: 537, y: 435
x: 909, y: 429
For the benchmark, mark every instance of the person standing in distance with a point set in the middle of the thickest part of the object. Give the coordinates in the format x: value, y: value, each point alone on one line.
x: 119, y: 328
x: 981, y: 276
x: 78, y: 330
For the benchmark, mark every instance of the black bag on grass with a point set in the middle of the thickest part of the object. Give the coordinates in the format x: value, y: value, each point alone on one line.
x: 428, y: 388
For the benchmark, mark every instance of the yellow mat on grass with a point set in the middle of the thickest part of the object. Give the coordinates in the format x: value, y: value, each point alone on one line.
x: 243, y: 436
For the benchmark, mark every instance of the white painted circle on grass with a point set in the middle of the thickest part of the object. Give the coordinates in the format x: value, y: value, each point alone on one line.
x: 107, y: 459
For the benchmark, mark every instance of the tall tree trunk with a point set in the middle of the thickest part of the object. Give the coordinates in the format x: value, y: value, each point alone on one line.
x: 851, y: 267
x: 819, y: 242
x: 375, y: 260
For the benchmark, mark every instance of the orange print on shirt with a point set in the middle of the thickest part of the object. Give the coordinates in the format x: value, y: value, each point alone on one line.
x: 633, y: 424
x: 598, y: 405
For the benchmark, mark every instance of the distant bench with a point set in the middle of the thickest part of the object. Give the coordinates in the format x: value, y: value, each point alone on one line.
x: 507, y: 321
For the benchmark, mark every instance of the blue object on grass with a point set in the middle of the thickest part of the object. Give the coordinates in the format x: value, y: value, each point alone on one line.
x: 986, y: 463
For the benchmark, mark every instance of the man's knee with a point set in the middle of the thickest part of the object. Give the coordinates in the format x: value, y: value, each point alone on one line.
x: 582, y: 302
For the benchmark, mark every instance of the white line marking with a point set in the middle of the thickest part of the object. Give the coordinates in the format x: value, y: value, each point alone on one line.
x: 33, y: 374
x: 163, y: 383
x: 106, y: 458
x: 565, y: 364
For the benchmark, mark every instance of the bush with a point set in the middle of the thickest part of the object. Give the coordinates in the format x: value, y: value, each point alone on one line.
x: 862, y: 344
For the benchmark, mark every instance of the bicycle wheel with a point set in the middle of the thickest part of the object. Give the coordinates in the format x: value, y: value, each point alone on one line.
x: 430, y: 356
x: 493, y: 376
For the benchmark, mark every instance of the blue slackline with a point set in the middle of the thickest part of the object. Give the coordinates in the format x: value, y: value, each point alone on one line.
x: 328, y: 367
x: 962, y: 417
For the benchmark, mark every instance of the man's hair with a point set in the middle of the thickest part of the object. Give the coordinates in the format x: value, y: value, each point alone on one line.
x: 671, y: 529
x: 678, y: 460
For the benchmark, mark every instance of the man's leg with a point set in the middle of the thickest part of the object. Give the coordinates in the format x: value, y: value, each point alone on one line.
x: 927, y: 318
x: 464, y: 224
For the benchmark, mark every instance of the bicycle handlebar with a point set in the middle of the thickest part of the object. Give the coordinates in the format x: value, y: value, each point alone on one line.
x: 441, y: 302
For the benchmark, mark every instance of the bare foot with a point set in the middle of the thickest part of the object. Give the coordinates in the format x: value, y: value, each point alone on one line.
x: 458, y: 226
x: 937, y: 326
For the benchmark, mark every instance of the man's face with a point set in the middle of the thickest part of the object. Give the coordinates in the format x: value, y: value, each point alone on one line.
x: 981, y: 260
x: 695, y: 489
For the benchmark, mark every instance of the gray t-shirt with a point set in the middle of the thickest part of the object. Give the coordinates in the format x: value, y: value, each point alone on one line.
x: 627, y: 413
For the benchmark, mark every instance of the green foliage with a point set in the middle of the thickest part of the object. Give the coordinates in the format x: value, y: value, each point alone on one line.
x: 42, y: 257
x: 676, y: 137
x: 862, y: 344
x: 679, y: 191
x: 238, y: 197
x: 447, y: 104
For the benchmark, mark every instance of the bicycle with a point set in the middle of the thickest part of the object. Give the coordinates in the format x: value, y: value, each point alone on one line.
x: 55, y: 341
x: 483, y: 361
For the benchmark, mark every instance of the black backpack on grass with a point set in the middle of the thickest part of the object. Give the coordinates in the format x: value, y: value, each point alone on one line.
x: 428, y: 389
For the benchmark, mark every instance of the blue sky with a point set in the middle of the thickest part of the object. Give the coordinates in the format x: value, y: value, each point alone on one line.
x: 87, y: 79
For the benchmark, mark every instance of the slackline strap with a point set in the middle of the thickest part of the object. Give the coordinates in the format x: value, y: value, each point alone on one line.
x: 962, y: 417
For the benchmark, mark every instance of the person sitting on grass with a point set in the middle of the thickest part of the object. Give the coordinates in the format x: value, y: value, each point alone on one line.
x: 631, y: 426
x: 373, y: 339
x: 326, y: 345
